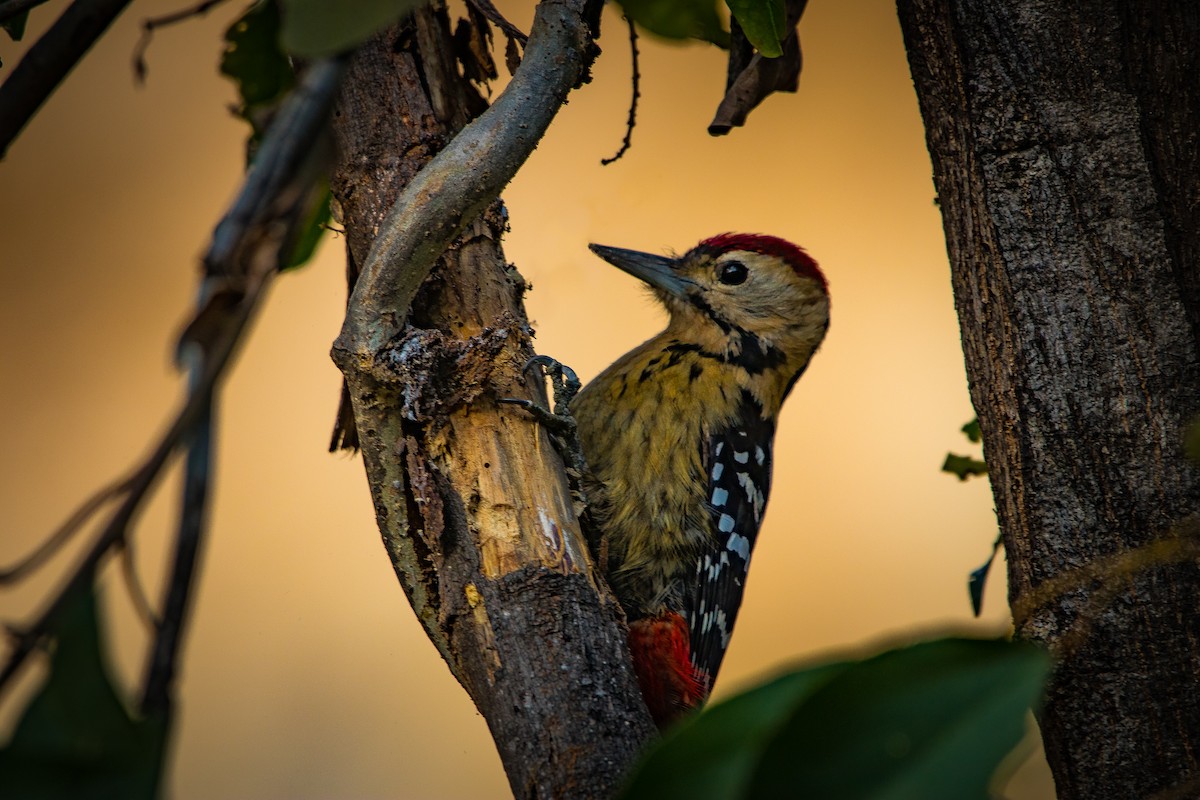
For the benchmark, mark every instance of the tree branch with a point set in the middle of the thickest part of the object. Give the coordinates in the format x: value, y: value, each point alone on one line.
x: 471, y: 499
x: 157, y: 689
x: 248, y: 248
x: 49, y: 60
x: 151, y: 24
x: 462, y: 180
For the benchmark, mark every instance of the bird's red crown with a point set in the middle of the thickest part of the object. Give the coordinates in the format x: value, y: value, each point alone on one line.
x: 800, y: 261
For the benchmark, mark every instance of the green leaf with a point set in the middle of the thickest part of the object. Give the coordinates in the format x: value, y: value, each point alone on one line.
x: 15, y: 26
x: 315, y: 28
x: 929, y: 721
x: 977, y: 580
x: 925, y: 722
x: 314, y: 228
x: 76, y: 738
x: 971, y: 429
x: 679, y: 19
x: 964, y: 466
x: 764, y: 22
x: 713, y: 754
x: 254, y: 60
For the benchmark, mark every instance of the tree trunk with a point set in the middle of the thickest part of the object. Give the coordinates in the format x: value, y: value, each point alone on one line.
x: 470, y: 496
x: 1064, y: 139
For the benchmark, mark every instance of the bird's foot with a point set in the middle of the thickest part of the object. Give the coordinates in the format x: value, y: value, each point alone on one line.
x: 565, y: 383
x: 559, y: 423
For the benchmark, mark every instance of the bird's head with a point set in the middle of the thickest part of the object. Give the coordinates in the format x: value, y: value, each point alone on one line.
x: 759, y: 300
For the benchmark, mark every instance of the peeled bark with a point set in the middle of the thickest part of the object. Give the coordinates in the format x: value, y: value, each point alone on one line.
x: 469, y: 494
x: 1064, y: 141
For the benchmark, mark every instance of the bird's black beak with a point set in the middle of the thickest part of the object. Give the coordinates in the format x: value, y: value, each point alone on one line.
x: 658, y: 271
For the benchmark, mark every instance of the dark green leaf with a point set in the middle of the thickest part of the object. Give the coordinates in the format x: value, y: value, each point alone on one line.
x: 679, y: 19
x: 313, y: 229
x: 15, y: 26
x: 254, y: 60
x: 764, y: 22
x: 964, y: 466
x: 971, y: 429
x: 928, y: 721
x: 925, y: 722
x: 977, y: 580
x: 713, y: 754
x: 76, y: 738
x: 315, y: 28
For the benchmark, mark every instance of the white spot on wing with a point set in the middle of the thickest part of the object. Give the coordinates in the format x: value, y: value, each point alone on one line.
x: 759, y: 455
x: 719, y: 497
x: 720, y: 620
x: 740, y: 457
x: 725, y: 524
x: 718, y: 468
x: 741, y: 545
x: 756, y: 498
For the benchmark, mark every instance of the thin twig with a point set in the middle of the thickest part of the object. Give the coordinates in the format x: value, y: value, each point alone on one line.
x: 151, y: 24
x: 263, y: 230
x: 65, y: 531
x: 113, y: 532
x: 133, y: 584
x: 633, y: 103
x: 49, y: 60
x: 264, y: 218
x: 160, y: 670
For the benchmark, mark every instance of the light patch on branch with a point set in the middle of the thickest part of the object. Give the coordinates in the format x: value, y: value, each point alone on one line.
x: 484, y: 626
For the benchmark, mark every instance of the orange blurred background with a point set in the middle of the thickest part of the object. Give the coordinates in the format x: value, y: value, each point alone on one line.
x: 306, y: 674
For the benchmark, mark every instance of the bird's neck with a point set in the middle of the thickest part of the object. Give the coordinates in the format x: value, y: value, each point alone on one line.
x: 765, y: 365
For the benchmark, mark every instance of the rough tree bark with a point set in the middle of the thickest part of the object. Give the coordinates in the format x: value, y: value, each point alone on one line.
x: 470, y: 497
x: 1064, y: 139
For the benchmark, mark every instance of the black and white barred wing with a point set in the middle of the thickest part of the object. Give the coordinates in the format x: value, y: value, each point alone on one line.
x: 737, y: 463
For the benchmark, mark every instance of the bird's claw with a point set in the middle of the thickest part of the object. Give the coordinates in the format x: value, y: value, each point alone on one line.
x: 559, y: 423
x: 566, y: 386
x: 564, y: 380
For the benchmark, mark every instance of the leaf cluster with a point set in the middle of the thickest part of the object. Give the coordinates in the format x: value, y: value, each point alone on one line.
x: 764, y: 22
x: 927, y: 721
x: 964, y: 467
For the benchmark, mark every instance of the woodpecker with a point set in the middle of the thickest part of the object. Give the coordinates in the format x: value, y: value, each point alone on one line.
x: 677, y: 437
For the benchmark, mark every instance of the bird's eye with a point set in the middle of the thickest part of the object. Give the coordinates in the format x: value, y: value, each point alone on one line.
x: 733, y: 273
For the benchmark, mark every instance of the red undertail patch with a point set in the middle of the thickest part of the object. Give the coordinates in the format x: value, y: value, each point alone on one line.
x: 670, y: 684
